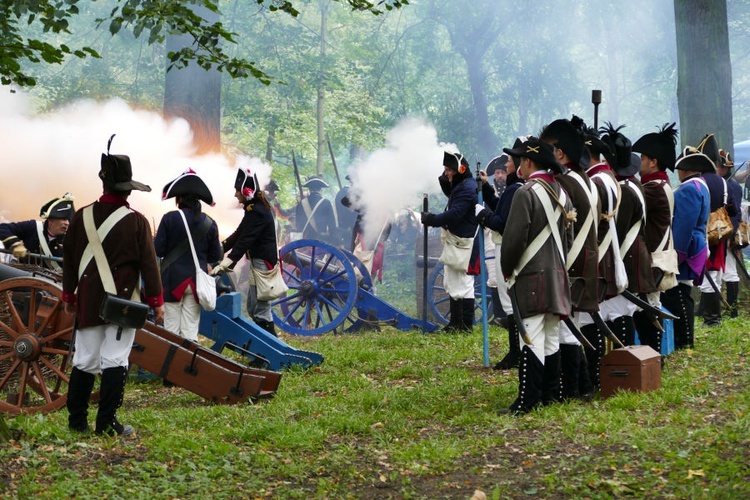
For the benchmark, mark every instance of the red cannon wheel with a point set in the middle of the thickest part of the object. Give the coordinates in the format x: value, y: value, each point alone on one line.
x: 35, y: 335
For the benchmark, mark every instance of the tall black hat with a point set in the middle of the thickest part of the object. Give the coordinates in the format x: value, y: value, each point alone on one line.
x: 620, y: 150
x: 58, y: 208
x: 315, y: 183
x: 709, y: 147
x: 117, y: 173
x: 188, y: 183
x: 659, y: 145
x: 538, y: 151
x: 564, y: 136
x: 695, y: 161
x: 246, y: 182
x: 497, y: 162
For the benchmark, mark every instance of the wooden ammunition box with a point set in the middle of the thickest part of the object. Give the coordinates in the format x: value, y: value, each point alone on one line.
x: 635, y: 368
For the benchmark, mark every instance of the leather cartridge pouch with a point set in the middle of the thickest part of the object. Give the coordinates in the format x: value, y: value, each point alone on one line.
x: 123, y: 312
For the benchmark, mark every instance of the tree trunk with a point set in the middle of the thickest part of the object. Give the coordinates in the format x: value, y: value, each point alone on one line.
x: 488, y: 143
x: 194, y: 94
x: 320, y: 111
x: 704, y: 72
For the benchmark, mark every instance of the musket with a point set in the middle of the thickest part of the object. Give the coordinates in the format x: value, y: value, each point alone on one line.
x: 577, y: 333
x: 296, y: 175
x: 425, y: 208
x: 716, y: 289
x: 602, y: 326
x: 517, y: 316
x: 646, y: 306
x: 333, y: 160
x: 740, y: 262
x: 483, y: 276
x: 34, y: 255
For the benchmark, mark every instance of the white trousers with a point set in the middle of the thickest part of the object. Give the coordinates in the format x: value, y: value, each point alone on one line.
x: 183, y: 317
x: 97, y: 348
x: 717, y: 275
x: 543, y: 331
x: 730, y: 271
x: 566, y: 336
x: 458, y: 284
x: 502, y: 285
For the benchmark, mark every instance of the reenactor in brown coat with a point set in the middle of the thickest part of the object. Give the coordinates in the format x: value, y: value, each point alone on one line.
x: 536, y: 240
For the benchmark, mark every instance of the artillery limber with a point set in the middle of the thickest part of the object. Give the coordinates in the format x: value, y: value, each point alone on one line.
x: 331, y: 290
x: 36, y: 352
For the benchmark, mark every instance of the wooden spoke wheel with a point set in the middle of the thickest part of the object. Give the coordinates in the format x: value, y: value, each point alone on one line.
x: 439, y: 301
x: 322, y: 288
x: 35, y: 335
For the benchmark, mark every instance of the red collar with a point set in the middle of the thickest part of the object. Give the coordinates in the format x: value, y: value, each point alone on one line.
x: 656, y: 176
x: 113, y: 198
x: 599, y: 167
x: 542, y: 175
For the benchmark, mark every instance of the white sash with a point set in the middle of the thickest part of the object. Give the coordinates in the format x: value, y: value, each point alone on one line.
x: 45, y: 246
x: 102, y: 232
x: 632, y: 233
x: 580, y: 238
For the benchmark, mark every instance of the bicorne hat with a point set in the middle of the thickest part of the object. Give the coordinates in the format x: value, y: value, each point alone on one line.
x: 497, y: 162
x: 453, y: 160
x: 58, y: 208
x: 538, y: 151
x: 315, y: 183
x: 272, y: 187
x: 659, y: 145
x: 117, y: 173
x: 565, y: 137
x: 188, y: 183
x: 246, y: 182
x: 726, y: 158
x: 619, y: 157
x: 709, y: 147
x: 693, y: 160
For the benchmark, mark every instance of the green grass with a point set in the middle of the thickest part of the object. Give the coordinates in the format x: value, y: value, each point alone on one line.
x: 396, y: 414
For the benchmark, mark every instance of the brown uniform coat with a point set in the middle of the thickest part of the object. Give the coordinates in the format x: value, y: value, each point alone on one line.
x: 607, y: 263
x: 637, y: 258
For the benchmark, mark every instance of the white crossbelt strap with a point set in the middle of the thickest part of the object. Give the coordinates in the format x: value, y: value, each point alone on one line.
x: 633, y: 231
x: 101, y: 233
x: 310, y: 214
x: 666, y: 240
x: 580, y: 238
x: 553, y: 216
x: 45, y: 247
x: 610, y: 239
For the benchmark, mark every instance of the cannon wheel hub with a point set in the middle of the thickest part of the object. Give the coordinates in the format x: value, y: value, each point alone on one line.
x: 27, y: 347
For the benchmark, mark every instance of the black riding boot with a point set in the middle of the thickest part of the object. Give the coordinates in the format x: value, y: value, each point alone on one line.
x: 570, y: 358
x: 648, y: 333
x: 514, y: 347
x: 624, y: 328
x: 679, y: 301
x: 79, y: 393
x: 551, y: 383
x: 454, y: 318
x: 733, y: 292
x: 110, y: 399
x: 501, y: 319
x: 530, y: 373
x: 593, y: 356
x: 467, y: 315
x: 711, y: 309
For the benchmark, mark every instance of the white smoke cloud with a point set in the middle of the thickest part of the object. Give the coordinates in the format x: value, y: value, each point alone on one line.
x: 45, y: 156
x: 397, y: 176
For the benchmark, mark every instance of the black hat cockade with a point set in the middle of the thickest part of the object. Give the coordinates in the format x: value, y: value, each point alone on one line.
x: 187, y: 184
x: 538, y: 151
x: 246, y: 182
x: 58, y: 208
x: 117, y: 173
x: 659, y: 145
x: 496, y: 163
x: 563, y: 135
x: 620, y: 152
x: 694, y: 160
x: 710, y: 147
x: 315, y: 183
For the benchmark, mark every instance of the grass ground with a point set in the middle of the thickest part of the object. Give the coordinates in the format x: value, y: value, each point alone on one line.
x: 394, y: 414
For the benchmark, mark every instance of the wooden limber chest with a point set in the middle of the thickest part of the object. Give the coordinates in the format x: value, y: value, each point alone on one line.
x: 634, y: 368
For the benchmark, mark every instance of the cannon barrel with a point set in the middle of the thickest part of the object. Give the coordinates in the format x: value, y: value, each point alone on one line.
x: 7, y: 272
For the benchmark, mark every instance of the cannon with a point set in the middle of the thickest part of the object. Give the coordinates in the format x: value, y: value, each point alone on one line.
x: 36, y: 347
x: 331, y: 290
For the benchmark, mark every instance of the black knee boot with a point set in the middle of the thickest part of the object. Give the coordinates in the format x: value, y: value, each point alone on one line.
x: 79, y: 392
x: 551, y: 386
x: 514, y: 347
x: 267, y: 326
x: 593, y: 356
x: 454, y: 317
x: 733, y: 292
x: 711, y: 309
x: 110, y: 399
x: 648, y: 333
x: 569, y: 360
x: 530, y: 375
x: 467, y: 315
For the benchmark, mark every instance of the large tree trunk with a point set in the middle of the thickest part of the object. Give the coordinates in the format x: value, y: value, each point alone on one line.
x: 320, y: 111
x: 704, y: 72
x: 194, y: 94
x: 488, y: 143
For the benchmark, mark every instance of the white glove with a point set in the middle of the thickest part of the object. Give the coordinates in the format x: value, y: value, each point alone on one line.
x: 478, y: 208
x: 19, y: 250
x: 223, y: 267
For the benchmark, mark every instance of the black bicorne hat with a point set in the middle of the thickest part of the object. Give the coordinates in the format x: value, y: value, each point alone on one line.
x: 619, y: 156
x: 709, y: 147
x: 659, y: 145
x: 246, y: 182
x: 693, y: 160
x: 517, y: 144
x: 726, y: 158
x: 452, y: 160
x: 117, y: 173
x: 188, y: 183
x: 497, y: 162
x: 538, y: 151
x: 564, y: 136
x: 272, y: 187
x: 58, y: 208
x: 315, y: 183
